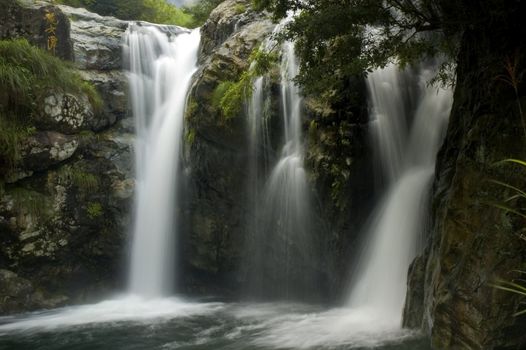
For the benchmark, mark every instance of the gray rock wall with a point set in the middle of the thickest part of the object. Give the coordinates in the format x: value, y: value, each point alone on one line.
x: 64, y: 212
x: 473, y: 243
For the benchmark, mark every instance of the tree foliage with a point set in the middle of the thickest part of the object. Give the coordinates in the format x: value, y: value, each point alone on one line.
x: 155, y: 11
x: 200, y: 10
x: 336, y: 39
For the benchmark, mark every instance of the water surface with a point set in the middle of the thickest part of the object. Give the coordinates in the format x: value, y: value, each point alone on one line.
x: 132, y: 323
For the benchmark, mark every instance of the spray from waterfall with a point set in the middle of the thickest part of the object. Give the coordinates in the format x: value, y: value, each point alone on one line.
x: 406, y: 147
x: 162, y: 61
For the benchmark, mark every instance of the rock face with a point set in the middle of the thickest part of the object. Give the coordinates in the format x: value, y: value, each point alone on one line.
x: 217, y: 160
x: 472, y: 243
x: 96, y: 40
x: 217, y: 154
x: 339, y: 163
x: 26, y: 19
x: 64, y: 210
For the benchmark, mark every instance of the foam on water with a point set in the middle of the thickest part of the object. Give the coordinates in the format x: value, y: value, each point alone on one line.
x: 126, y: 309
x: 295, y: 326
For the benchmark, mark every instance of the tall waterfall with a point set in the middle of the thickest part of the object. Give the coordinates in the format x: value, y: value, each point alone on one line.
x: 162, y: 61
x: 281, y: 209
x: 407, y: 142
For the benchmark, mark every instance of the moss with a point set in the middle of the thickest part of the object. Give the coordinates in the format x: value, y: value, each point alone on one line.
x: 85, y: 181
x: 29, y: 201
x: 190, y: 136
x: 239, y: 9
x: 331, y: 157
x: 94, y: 210
x: 230, y: 96
x: 191, y: 108
x: 77, y: 176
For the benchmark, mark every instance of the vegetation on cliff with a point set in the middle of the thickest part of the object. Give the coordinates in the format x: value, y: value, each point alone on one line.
x: 154, y: 11
x: 336, y: 40
x: 27, y: 76
x: 230, y: 96
x: 513, y: 204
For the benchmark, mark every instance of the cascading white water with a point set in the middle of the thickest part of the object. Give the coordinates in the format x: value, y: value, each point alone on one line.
x: 287, y: 185
x: 280, y: 205
x: 162, y: 61
x: 407, y: 149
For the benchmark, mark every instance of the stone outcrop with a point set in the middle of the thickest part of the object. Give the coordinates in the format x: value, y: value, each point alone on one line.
x: 64, y: 209
x: 96, y: 40
x: 339, y: 162
x: 217, y: 154
x: 472, y: 242
x: 26, y: 19
x: 217, y: 213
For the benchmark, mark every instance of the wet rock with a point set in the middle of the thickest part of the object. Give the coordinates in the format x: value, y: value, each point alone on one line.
x: 225, y: 62
x: 64, y: 213
x: 228, y: 17
x: 216, y: 208
x: 15, y: 292
x: 473, y: 243
x: 113, y: 87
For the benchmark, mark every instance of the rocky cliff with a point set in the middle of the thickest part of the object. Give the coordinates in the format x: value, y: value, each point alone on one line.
x: 216, y: 244
x: 64, y: 208
x: 216, y: 152
x: 473, y: 243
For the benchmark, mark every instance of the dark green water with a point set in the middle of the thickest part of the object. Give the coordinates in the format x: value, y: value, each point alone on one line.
x: 173, y: 324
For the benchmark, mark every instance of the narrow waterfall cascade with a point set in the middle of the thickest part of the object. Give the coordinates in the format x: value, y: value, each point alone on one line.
x: 281, y: 207
x: 286, y: 192
x: 407, y: 146
x: 162, y: 61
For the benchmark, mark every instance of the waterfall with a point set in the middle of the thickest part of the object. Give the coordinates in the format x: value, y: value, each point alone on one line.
x: 162, y: 60
x: 407, y: 141
x: 280, y: 217
x: 286, y: 192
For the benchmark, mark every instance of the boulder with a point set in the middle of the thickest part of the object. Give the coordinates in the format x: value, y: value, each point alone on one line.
x: 97, y: 40
x: 65, y: 112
